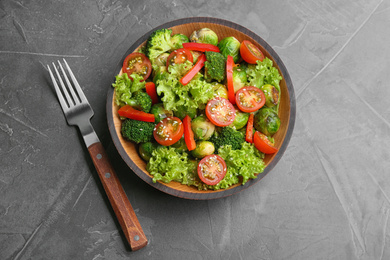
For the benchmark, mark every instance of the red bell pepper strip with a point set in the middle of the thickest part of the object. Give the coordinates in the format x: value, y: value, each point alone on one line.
x: 195, y: 69
x: 151, y: 90
x: 229, y: 77
x: 188, y: 133
x: 129, y: 112
x: 249, y: 129
x: 196, y: 46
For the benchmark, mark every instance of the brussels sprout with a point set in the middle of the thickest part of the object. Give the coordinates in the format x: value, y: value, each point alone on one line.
x: 160, y: 112
x: 239, y: 77
x: 241, y: 119
x: 161, y: 60
x: 177, y: 41
x: 180, y: 145
x: 271, y: 95
x: 267, y: 121
x: 145, y: 150
x: 160, y: 73
x: 203, y: 148
x: 196, y: 55
x: 204, y: 35
x: 219, y: 90
x: 230, y: 46
x: 183, y: 111
x: 202, y: 127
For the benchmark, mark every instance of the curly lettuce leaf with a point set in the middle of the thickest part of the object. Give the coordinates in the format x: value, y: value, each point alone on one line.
x: 245, y: 163
x: 263, y: 73
x: 168, y: 164
x: 176, y: 96
x: 125, y: 87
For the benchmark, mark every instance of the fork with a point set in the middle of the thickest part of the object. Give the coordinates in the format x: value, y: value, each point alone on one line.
x: 78, y: 112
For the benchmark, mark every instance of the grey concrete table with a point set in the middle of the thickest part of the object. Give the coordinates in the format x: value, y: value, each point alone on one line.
x: 328, y: 198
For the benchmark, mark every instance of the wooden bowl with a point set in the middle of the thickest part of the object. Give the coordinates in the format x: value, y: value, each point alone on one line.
x: 223, y: 28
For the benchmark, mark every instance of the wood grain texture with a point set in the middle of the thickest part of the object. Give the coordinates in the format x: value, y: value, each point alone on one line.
x: 223, y: 28
x: 118, y: 198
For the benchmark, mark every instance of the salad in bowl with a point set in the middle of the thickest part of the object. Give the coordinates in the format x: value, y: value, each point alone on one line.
x: 200, y: 109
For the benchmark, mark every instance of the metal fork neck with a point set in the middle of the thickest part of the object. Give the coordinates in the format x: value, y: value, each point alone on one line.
x: 88, y: 133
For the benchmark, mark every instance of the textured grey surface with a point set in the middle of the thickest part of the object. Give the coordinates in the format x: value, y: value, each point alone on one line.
x: 328, y: 198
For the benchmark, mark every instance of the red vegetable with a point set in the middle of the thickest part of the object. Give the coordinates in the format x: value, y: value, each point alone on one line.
x: 151, y: 90
x: 229, y: 77
x: 195, y: 69
x: 249, y: 129
x: 212, y: 169
x: 250, y: 99
x: 129, y: 112
x: 263, y: 144
x: 195, y: 46
x: 179, y: 56
x: 250, y: 53
x: 188, y: 133
x: 168, y: 131
x: 137, y: 63
x: 220, y: 111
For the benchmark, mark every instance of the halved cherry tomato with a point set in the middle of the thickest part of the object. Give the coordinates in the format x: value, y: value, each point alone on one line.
x: 129, y: 112
x: 168, y: 131
x: 250, y: 99
x: 249, y: 129
x: 192, y: 72
x: 250, y: 53
x: 179, y: 56
x: 188, y: 133
x: 212, y: 169
x: 150, y: 88
x: 263, y: 144
x: 229, y: 78
x: 137, y: 63
x: 220, y: 111
x: 197, y: 46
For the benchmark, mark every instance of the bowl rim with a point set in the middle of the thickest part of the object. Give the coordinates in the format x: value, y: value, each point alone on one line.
x: 218, y: 193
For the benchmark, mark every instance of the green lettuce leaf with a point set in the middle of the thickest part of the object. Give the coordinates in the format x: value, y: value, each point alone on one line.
x: 263, y: 73
x: 125, y: 87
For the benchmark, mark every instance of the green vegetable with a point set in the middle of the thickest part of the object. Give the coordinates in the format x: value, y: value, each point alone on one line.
x: 160, y: 112
x: 215, y: 66
x: 267, y: 121
x: 271, y: 95
x: 125, y: 87
x: 182, y: 111
x: 203, y: 148
x: 220, y: 90
x: 160, y: 73
x: 241, y: 119
x: 180, y: 145
x: 141, y: 101
x: 177, y: 97
x: 228, y: 136
x: 202, y: 127
x: 177, y: 41
x: 160, y: 60
x: 137, y: 131
x: 204, y: 35
x: 230, y: 46
x: 263, y: 73
x: 145, y: 150
x: 239, y: 77
x: 168, y: 164
x: 158, y: 42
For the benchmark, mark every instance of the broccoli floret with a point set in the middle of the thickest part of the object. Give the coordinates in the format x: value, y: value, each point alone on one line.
x: 215, y: 66
x: 158, y: 42
x: 141, y: 101
x: 137, y: 131
x: 228, y: 136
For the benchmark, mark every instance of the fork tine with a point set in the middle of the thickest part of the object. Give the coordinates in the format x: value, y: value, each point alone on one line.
x: 68, y: 98
x: 76, y: 84
x: 76, y: 99
x: 60, y: 96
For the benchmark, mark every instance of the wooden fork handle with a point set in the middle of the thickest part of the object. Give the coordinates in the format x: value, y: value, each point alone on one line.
x: 118, y: 199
